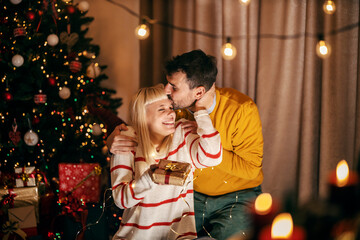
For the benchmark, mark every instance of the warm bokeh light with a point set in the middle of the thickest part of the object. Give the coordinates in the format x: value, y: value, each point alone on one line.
x: 329, y: 7
x: 323, y: 49
x: 244, y: 2
x: 228, y: 51
x: 263, y: 204
x: 342, y: 173
x: 142, y: 31
x: 282, y: 226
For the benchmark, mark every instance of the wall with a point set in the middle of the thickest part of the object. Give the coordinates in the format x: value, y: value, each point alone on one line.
x: 113, y: 30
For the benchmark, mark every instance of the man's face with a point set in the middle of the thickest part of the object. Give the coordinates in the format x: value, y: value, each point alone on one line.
x: 178, y: 90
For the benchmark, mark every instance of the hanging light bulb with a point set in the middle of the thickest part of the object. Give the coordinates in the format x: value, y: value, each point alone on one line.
x: 329, y: 7
x: 244, y: 2
x: 142, y: 31
x: 323, y: 50
x: 228, y: 51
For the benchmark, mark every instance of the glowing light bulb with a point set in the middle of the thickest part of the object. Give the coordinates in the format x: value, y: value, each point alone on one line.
x: 263, y: 204
x: 329, y: 7
x: 228, y: 51
x: 142, y: 31
x: 244, y: 2
x: 282, y: 226
x: 342, y: 173
x: 323, y: 50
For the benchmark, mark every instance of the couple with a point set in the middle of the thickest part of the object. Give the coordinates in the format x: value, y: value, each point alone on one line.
x: 222, y: 194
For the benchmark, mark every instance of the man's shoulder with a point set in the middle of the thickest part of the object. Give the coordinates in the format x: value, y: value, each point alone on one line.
x: 232, y: 95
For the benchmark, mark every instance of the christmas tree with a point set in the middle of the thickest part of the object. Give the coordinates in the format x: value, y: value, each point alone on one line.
x: 53, y: 109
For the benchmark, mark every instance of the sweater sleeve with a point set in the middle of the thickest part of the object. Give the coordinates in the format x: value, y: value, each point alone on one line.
x: 126, y: 191
x: 245, y: 161
x: 205, y: 147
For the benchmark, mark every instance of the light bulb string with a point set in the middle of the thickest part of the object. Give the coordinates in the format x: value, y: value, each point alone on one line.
x: 239, y: 37
x: 101, y: 215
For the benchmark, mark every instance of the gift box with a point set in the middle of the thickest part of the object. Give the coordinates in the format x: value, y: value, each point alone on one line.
x: 28, y: 196
x: 81, y: 180
x: 26, y: 218
x: 25, y: 177
x: 171, y: 172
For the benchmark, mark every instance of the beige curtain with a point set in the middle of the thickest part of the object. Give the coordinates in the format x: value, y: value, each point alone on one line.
x: 310, y: 108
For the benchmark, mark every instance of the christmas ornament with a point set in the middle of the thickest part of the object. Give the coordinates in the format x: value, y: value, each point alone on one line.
x: 96, y: 130
x: 31, y: 138
x: 84, y: 6
x: 52, y: 81
x: 30, y: 15
x: 75, y: 65
x: 15, y: 2
x: 64, y: 93
x: 69, y: 39
x: 40, y: 97
x: 105, y: 150
x: 17, y: 60
x: 14, y: 135
x: 7, y: 95
x: 19, y: 32
x: 52, y: 40
x: 35, y: 120
x: 70, y: 9
x: 93, y: 70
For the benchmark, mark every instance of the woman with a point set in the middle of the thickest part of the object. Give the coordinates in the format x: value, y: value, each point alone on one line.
x: 160, y: 211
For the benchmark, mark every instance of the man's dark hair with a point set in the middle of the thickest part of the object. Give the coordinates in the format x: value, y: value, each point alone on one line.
x: 200, y: 69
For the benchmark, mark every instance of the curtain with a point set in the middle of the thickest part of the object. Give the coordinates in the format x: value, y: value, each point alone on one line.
x: 309, y: 107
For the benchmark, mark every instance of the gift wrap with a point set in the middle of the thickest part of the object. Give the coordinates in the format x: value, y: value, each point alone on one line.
x: 25, y: 177
x: 25, y: 196
x: 171, y: 172
x: 80, y: 180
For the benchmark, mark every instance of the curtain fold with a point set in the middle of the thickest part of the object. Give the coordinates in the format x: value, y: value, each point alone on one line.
x: 309, y: 107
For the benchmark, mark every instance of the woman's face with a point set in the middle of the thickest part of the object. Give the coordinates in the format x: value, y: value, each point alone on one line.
x: 160, y: 118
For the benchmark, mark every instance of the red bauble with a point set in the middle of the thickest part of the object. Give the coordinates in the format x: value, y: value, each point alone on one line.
x: 8, y: 96
x: 70, y: 9
x: 35, y: 120
x: 19, y: 32
x: 30, y: 15
x: 52, y: 81
x: 75, y: 66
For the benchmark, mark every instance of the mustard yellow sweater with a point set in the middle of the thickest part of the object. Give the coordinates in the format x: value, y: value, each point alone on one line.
x: 237, y: 119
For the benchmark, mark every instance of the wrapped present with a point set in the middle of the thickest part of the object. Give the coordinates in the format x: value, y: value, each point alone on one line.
x: 81, y: 180
x: 24, y: 197
x: 171, y: 172
x: 25, y: 177
x: 11, y: 230
x: 25, y: 217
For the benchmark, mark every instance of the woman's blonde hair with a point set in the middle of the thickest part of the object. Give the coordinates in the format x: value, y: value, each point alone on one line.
x: 140, y: 100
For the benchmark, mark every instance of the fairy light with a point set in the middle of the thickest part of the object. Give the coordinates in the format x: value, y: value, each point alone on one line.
x: 329, y: 7
x: 228, y: 51
x: 244, y: 2
x: 323, y: 49
x: 142, y: 31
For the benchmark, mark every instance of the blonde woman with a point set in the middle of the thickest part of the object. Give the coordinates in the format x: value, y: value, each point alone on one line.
x: 161, y: 211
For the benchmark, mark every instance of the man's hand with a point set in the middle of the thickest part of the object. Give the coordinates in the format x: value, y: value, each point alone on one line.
x: 118, y: 143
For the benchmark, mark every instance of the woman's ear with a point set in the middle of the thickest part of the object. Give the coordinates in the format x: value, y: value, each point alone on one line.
x: 199, y: 92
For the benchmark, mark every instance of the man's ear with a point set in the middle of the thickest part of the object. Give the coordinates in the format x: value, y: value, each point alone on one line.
x: 199, y: 92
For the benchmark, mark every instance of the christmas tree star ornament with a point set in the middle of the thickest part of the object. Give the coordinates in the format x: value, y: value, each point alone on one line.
x: 31, y: 138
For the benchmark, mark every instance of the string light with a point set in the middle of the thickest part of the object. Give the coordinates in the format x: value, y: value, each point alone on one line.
x: 244, y: 2
x: 228, y: 51
x: 323, y: 49
x: 329, y: 7
x: 142, y: 31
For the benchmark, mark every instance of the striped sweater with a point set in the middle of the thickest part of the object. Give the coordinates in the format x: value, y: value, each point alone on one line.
x: 154, y: 211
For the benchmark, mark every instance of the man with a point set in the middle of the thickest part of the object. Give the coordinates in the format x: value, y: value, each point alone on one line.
x: 223, y: 194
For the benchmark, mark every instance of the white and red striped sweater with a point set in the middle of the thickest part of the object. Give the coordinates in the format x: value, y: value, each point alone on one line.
x: 154, y: 211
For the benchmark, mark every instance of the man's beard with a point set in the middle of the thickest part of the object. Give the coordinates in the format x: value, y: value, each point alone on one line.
x: 176, y: 106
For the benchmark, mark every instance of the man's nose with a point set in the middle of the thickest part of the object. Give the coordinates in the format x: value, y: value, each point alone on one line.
x: 167, y: 89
